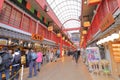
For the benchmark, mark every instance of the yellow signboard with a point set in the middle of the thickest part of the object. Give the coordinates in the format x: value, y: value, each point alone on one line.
x: 86, y: 24
x: 3, y: 42
x: 37, y: 37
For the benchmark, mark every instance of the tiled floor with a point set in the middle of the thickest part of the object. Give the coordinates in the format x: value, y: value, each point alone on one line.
x: 64, y: 69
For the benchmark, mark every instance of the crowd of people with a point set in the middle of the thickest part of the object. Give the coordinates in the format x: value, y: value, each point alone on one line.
x: 6, y: 60
x: 10, y: 62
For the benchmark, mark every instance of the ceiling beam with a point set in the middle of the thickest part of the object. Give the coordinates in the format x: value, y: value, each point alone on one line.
x: 71, y: 29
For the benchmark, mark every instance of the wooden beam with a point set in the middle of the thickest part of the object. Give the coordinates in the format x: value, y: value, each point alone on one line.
x: 71, y: 29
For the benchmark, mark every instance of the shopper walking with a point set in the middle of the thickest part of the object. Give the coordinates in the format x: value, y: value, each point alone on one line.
x: 39, y: 60
x: 77, y: 55
x: 51, y: 55
x: 32, y: 62
x: 58, y: 53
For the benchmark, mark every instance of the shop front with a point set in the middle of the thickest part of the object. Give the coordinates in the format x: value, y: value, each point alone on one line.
x: 110, y: 40
x: 13, y: 39
x: 114, y: 48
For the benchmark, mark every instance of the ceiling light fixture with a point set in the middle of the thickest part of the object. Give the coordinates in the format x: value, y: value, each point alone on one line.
x: 85, y: 2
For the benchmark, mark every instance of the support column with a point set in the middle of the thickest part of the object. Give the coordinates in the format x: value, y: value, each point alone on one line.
x: 37, y: 24
x: 1, y: 4
x: 61, y: 45
x: 21, y: 21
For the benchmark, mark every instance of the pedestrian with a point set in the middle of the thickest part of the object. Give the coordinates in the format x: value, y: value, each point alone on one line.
x: 16, y: 63
x: 31, y: 56
x: 51, y: 55
x: 5, y: 63
x: 47, y: 56
x: 39, y: 60
x: 58, y: 53
x: 27, y: 62
x: 77, y: 55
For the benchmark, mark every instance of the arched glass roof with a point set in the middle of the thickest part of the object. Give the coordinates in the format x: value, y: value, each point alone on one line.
x: 67, y: 11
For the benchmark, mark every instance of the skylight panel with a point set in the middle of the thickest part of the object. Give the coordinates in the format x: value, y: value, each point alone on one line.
x: 67, y: 11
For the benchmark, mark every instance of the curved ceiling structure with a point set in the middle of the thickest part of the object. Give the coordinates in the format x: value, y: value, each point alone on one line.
x: 67, y: 11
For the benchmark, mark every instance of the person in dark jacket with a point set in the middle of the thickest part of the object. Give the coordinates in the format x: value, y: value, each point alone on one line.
x: 16, y: 63
x: 77, y: 55
x: 6, y: 62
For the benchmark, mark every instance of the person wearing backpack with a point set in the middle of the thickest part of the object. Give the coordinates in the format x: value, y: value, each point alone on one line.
x: 32, y: 56
x: 16, y: 63
x: 5, y: 63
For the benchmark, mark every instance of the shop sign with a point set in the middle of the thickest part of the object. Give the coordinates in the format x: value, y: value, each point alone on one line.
x: 116, y: 51
x: 93, y: 54
x: 3, y: 42
x: 50, y: 28
x: 93, y: 2
x: 86, y: 24
x: 58, y: 34
x: 107, y: 21
x: 84, y: 32
x: 37, y: 37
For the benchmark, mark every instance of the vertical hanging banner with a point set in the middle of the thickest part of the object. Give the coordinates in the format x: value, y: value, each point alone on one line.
x: 93, y: 2
x: 38, y: 14
x: 44, y: 20
x: 32, y: 10
x: 28, y: 6
x: 41, y: 17
x: 106, y: 22
x: 20, y: 1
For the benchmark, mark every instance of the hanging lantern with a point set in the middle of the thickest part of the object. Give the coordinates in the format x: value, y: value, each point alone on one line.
x: 63, y: 38
x: 66, y: 40
x: 84, y: 32
x: 82, y: 37
x: 58, y: 34
x: 86, y: 24
x: 50, y: 28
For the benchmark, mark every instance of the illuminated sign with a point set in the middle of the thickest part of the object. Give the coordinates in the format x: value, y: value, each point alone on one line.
x: 86, y: 24
x: 37, y: 37
x: 84, y: 32
x: 50, y: 28
x: 58, y: 34
x: 3, y: 42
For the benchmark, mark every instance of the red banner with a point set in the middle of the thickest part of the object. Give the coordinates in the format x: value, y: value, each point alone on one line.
x: 106, y: 22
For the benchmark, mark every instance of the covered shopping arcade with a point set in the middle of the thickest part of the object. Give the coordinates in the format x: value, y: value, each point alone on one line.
x: 91, y: 26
